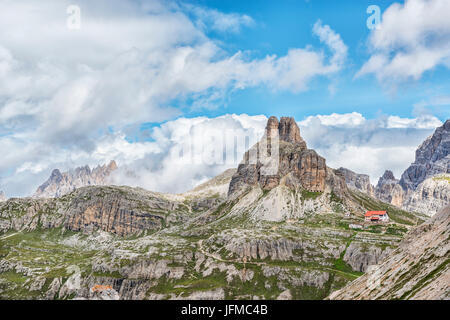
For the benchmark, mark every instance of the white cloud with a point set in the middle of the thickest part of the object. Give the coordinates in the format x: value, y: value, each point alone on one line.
x: 412, y: 38
x: 190, y: 151
x: 181, y: 153
x: 126, y: 65
x: 367, y: 146
x: 219, y: 21
x: 67, y: 97
x: 422, y: 122
x: 333, y: 41
x: 353, y: 119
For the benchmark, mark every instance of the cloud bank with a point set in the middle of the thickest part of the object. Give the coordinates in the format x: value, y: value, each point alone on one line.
x: 66, y: 95
x: 367, y: 146
x: 182, y: 153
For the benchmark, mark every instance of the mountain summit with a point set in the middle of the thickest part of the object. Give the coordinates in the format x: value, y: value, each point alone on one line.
x: 290, y: 175
x: 424, y: 186
x: 287, y: 128
x: 432, y: 157
x: 59, y: 184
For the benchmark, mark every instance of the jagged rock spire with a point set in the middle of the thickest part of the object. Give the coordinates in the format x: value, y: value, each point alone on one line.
x: 432, y: 158
x: 298, y: 166
x: 288, y: 129
x: 387, y: 177
x: 61, y: 183
x: 112, y: 165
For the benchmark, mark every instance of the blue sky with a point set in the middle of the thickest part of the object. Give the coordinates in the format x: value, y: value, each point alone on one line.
x: 84, y: 82
x: 281, y: 25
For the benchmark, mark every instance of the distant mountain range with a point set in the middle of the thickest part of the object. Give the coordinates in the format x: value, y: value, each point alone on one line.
x: 424, y: 186
x: 59, y: 184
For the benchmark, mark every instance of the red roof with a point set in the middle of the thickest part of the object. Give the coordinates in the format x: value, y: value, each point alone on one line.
x: 374, y: 213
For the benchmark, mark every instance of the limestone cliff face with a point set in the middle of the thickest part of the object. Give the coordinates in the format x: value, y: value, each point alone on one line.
x: 109, y: 210
x: 432, y: 158
x: 358, y: 255
x: 287, y: 129
x: 389, y: 190
x: 26, y: 214
x: 425, y: 186
x: 59, y: 184
x: 120, y: 210
x: 429, y: 196
x: 297, y: 165
x: 417, y: 269
x: 357, y: 181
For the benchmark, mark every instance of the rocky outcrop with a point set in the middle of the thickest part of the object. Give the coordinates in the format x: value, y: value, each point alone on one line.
x: 120, y: 210
x: 357, y: 181
x: 432, y: 158
x: 28, y: 214
x: 287, y: 129
x: 112, y: 212
x: 277, y: 249
x: 418, y: 269
x: 389, y: 190
x: 211, y: 193
x: 430, y: 195
x: 360, y: 256
x: 425, y: 186
x: 59, y: 184
x: 293, y: 163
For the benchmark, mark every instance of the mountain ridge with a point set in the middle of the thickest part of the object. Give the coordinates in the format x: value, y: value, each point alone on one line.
x: 59, y: 184
x: 425, y: 185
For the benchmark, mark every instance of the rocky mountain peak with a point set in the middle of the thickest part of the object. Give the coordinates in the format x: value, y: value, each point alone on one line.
x: 387, y: 177
x: 272, y: 124
x: 447, y: 125
x: 423, y: 186
x: 288, y: 130
x: 356, y: 181
x: 389, y: 190
x: 432, y: 158
x: 59, y: 183
x: 296, y: 167
x: 112, y: 165
x: 56, y: 176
